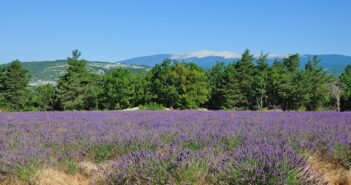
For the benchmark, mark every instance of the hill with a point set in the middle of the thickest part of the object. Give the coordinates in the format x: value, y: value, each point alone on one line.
x: 44, y: 72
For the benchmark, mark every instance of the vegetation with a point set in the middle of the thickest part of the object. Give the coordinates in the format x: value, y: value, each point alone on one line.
x: 246, y: 84
x: 175, y: 147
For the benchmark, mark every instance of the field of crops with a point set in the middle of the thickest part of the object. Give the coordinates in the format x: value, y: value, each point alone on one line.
x: 170, y: 147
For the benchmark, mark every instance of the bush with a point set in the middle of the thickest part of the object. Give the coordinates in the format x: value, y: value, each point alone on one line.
x: 152, y: 106
x: 26, y: 172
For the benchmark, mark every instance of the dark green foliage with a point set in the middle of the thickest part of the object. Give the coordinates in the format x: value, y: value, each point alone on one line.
x: 45, y: 98
x: 77, y: 88
x: 215, y: 81
x: 117, y: 90
x: 345, y: 80
x: 260, y: 84
x: 162, y: 85
x: 151, y: 106
x: 232, y: 94
x: 191, y: 86
x: 285, y: 84
x: 178, y: 85
x: 246, y: 84
x: 141, y: 95
x: 315, y: 85
x: 14, y: 90
x: 232, y: 86
x: 245, y: 73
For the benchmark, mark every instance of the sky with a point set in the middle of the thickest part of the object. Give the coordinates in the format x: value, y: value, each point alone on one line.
x: 112, y: 30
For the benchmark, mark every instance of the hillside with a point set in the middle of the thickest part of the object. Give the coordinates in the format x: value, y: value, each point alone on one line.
x: 44, y: 72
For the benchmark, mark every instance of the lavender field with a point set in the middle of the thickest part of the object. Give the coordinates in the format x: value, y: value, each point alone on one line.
x: 171, y: 147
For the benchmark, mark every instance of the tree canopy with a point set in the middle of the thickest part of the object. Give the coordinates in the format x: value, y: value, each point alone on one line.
x: 249, y: 83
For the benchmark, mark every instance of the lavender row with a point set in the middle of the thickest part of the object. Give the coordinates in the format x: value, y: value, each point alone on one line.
x: 173, y: 147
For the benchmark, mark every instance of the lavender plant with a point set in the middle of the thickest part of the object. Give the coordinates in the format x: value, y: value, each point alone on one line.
x: 173, y: 147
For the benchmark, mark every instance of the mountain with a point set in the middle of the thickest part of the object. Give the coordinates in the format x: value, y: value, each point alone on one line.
x: 333, y: 63
x: 44, y: 72
x: 147, y: 60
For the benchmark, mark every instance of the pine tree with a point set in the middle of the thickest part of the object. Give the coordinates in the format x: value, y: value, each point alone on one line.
x: 261, y: 81
x: 215, y: 84
x: 245, y: 71
x: 315, y: 85
x: 285, y: 84
x: 77, y: 88
x: 45, y: 98
x: 14, y: 80
x: 232, y: 92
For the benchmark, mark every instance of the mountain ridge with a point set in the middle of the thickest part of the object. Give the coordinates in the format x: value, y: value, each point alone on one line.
x: 332, y: 63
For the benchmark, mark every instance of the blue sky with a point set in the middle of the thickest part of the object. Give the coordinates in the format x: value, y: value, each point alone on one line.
x: 112, y: 30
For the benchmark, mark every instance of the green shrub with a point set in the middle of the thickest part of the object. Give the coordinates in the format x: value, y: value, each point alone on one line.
x: 151, y: 106
x: 25, y: 172
x: 70, y: 167
x: 193, y: 145
x: 102, y: 152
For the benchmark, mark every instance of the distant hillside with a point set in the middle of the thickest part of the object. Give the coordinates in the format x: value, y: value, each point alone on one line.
x: 333, y: 64
x: 44, y: 72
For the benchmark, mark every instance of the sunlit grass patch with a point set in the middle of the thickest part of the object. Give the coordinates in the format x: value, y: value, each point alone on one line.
x: 25, y: 171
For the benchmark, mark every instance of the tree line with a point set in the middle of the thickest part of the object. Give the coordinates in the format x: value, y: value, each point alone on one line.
x: 246, y: 84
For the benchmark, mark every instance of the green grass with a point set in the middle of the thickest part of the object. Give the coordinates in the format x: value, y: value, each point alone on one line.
x: 343, y: 152
x: 25, y: 172
x: 167, y: 138
x: 231, y: 142
x: 108, y: 151
x: 193, y: 172
x: 70, y: 167
x: 193, y: 145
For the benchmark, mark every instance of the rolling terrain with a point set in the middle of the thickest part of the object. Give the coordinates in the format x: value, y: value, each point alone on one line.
x: 44, y: 72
